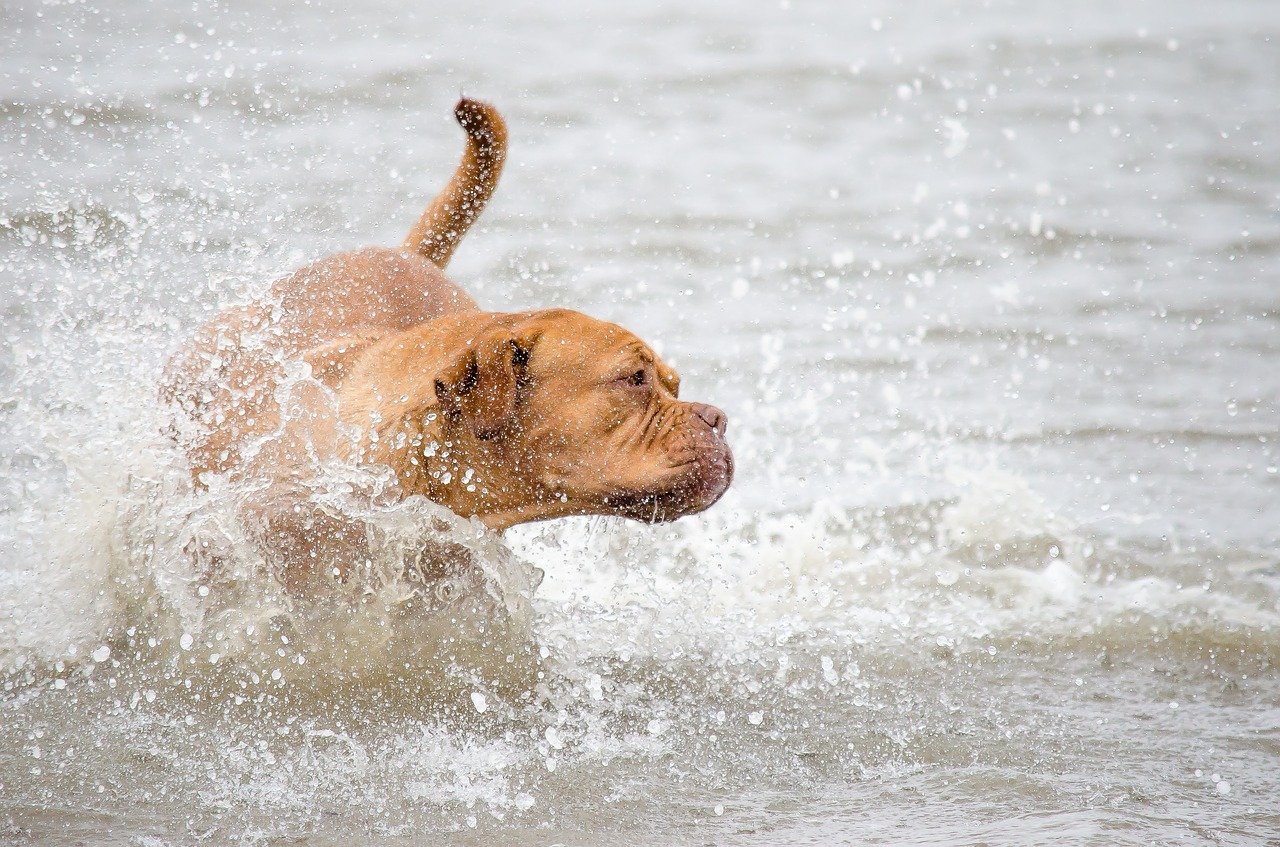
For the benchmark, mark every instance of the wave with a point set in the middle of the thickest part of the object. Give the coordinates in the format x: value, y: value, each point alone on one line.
x: 78, y: 227
x: 145, y: 565
x: 86, y: 114
x: 138, y: 566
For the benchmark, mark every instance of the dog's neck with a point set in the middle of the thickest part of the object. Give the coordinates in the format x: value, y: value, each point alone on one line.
x: 472, y: 478
x: 432, y: 454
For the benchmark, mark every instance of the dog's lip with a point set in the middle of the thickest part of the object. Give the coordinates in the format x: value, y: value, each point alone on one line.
x: 661, y: 506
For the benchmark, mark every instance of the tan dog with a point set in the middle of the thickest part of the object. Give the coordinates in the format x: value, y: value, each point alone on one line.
x: 507, y: 417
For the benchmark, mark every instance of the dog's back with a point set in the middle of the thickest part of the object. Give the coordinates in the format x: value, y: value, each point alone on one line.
x: 224, y: 380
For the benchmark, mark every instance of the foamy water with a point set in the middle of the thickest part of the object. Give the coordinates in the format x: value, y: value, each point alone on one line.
x: 988, y: 294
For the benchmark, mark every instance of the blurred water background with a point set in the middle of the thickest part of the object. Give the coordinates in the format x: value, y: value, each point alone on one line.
x: 988, y: 291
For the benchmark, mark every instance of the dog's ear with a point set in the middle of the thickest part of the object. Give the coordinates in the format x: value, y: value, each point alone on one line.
x: 479, y: 386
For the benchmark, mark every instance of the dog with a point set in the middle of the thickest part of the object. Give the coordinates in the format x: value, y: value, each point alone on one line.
x: 504, y: 417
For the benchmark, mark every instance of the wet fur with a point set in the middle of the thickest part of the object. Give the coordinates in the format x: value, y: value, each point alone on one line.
x: 408, y: 373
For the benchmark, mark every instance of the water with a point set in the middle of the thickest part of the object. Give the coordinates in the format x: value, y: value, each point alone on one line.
x: 988, y: 292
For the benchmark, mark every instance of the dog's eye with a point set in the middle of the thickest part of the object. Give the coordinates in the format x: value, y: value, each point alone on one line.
x: 636, y: 379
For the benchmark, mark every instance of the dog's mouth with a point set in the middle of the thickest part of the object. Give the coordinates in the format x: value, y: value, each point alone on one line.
x: 694, y: 485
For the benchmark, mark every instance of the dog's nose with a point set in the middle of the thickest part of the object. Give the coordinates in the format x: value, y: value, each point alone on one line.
x: 713, y: 417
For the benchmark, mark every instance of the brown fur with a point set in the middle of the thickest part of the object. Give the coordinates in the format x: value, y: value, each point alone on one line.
x: 451, y: 214
x: 507, y: 417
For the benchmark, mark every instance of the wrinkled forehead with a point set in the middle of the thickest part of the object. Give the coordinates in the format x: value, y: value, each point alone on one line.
x: 571, y: 339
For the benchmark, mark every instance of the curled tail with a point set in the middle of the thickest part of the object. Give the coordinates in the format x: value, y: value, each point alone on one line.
x: 446, y: 220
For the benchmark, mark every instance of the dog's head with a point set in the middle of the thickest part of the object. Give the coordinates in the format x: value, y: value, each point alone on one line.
x: 555, y: 413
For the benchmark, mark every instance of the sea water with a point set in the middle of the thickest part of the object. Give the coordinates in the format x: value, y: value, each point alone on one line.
x: 988, y: 291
